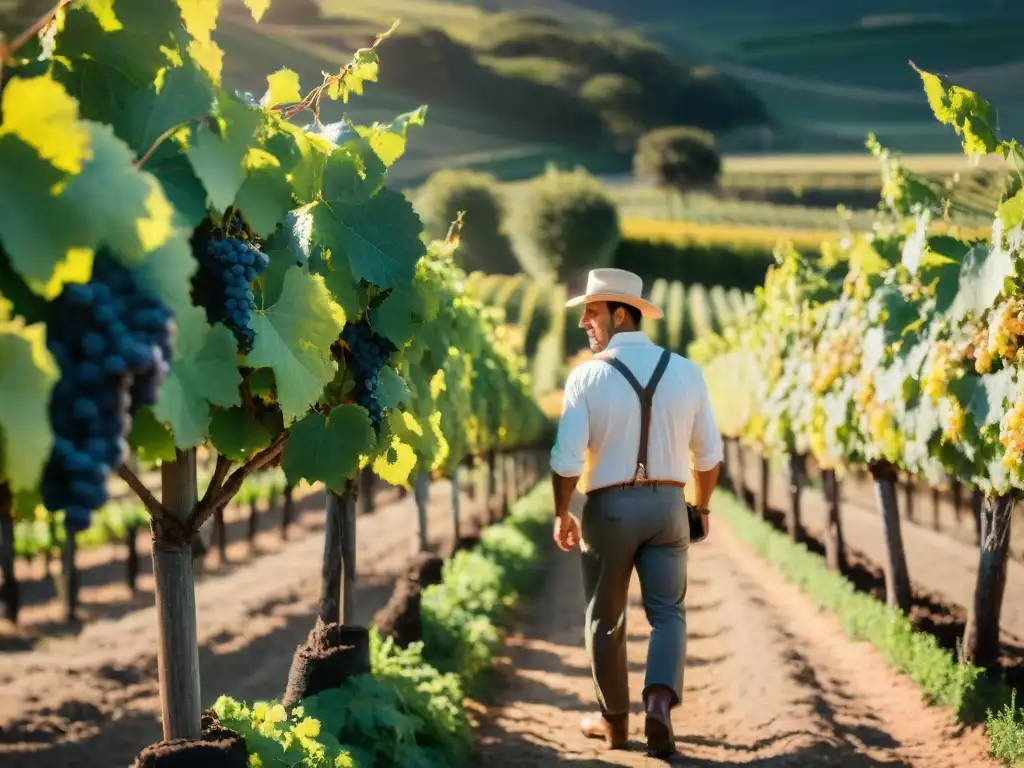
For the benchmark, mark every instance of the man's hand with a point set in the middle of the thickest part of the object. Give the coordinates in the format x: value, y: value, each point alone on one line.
x: 705, y: 521
x: 567, y: 532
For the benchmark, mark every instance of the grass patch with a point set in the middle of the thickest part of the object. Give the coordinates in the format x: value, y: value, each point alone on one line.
x: 962, y: 688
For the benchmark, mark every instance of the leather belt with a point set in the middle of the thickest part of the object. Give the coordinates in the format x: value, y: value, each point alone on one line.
x: 638, y: 484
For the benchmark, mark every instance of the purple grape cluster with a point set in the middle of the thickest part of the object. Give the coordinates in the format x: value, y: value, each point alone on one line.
x: 368, y: 353
x: 113, y: 343
x: 227, y: 268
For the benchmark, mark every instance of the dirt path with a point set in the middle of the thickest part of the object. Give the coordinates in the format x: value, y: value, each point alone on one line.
x: 770, y: 681
x: 92, y: 700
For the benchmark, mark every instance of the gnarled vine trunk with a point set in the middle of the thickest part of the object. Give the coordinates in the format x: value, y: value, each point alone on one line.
x: 739, y: 476
x: 897, y: 579
x: 763, y: 482
x: 835, y: 547
x: 797, y: 480
x: 981, y: 635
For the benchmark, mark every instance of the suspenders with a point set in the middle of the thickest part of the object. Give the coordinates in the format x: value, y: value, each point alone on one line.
x: 646, y: 396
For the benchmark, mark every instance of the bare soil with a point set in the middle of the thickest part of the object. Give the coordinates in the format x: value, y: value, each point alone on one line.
x: 771, y: 681
x: 91, y: 699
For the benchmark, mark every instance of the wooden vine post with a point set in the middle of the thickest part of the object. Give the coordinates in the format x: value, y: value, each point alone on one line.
x: 835, y: 548
x: 763, y: 485
x: 456, y: 505
x: 897, y: 579
x: 338, y: 571
x: 981, y: 635
x: 367, y: 485
x: 178, y: 649
x: 738, y: 469
x: 421, y: 494
x: 10, y: 592
x: 176, y: 520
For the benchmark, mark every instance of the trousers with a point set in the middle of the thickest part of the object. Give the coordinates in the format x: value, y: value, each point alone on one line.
x: 646, y: 528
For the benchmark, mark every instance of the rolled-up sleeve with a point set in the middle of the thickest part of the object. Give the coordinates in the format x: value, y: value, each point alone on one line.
x: 706, y: 446
x: 568, y: 456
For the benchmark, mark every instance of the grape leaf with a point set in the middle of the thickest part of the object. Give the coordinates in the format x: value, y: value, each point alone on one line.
x: 973, y: 118
x: 395, y: 464
x: 380, y: 237
x: 217, y: 157
x: 184, y: 95
x: 984, y: 397
x: 44, y: 256
x: 125, y: 207
x: 257, y: 8
x: 391, y: 389
x: 172, y: 169
x: 27, y: 375
x: 388, y: 141
x: 150, y: 440
x: 289, y: 246
x: 393, y: 318
x: 327, y: 448
x: 282, y: 88
x: 204, y: 372
x: 265, y: 196
x: 340, y: 282
x: 237, y: 435
x: 261, y: 383
x: 982, y: 274
x: 294, y: 337
x: 167, y: 272
x: 352, y: 173
x: 362, y: 69
x: 1011, y: 210
x: 40, y: 112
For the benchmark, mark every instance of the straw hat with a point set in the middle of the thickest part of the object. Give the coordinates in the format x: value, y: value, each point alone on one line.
x: 616, y: 285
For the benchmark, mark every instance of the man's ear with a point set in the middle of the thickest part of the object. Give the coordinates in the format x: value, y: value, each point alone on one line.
x: 618, y: 317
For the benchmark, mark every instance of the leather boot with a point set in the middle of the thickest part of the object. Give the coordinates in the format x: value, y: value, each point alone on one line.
x: 661, y: 741
x: 614, y: 729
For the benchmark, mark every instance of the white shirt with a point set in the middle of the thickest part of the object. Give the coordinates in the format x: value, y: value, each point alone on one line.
x: 599, y: 432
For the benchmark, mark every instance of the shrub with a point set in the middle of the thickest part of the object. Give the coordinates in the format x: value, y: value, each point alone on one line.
x: 563, y: 224
x: 679, y: 158
x: 483, y: 245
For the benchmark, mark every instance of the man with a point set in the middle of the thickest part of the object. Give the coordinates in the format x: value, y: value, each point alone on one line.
x: 635, y: 514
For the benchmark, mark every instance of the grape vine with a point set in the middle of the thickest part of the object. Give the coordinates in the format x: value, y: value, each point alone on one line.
x: 904, y: 345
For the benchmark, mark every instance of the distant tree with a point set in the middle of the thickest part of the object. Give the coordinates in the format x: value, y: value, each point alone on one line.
x: 482, y: 245
x: 677, y: 158
x: 563, y: 224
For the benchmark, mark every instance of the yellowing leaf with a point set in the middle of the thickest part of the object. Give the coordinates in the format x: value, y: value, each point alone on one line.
x: 395, y: 465
x: 200, y: 17
x: 27, y: 374
x: 42, y: 114
x: 257, y: 8
x: 283, y: 88
x: 208, y: 55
